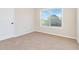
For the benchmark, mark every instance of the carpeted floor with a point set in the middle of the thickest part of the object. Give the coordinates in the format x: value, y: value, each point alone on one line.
x: 39, y: 41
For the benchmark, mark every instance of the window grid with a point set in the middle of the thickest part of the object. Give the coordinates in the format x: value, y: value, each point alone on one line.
x: 49, y: 12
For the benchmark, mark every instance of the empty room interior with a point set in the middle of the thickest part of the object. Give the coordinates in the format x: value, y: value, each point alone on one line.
x: 39, y: 28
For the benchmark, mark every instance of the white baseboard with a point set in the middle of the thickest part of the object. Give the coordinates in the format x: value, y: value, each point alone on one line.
x: 57, y: 34
x: 23, y: 34
x: 6, y: 37
x: 65, y: 36
x: 12, y: 36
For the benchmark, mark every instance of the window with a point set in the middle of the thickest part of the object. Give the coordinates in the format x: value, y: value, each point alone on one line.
x: 51, y: 17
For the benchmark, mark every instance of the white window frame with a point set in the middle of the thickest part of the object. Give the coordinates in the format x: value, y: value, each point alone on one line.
x: 49, y: 20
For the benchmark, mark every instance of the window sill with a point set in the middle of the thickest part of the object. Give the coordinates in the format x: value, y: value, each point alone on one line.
x: 51, y: 27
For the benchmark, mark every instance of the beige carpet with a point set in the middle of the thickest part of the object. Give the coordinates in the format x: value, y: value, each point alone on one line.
x: 39, y: 41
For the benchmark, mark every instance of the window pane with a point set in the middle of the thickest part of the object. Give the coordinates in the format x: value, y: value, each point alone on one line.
x: 55, y: 17
x: 44, y: 17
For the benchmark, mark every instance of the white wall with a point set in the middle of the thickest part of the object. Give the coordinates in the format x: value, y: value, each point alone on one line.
x: 7, y: 29
x: 28, y: 20
x: 24, y: 20
x: 69, y: 24
x: 78, y: 25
